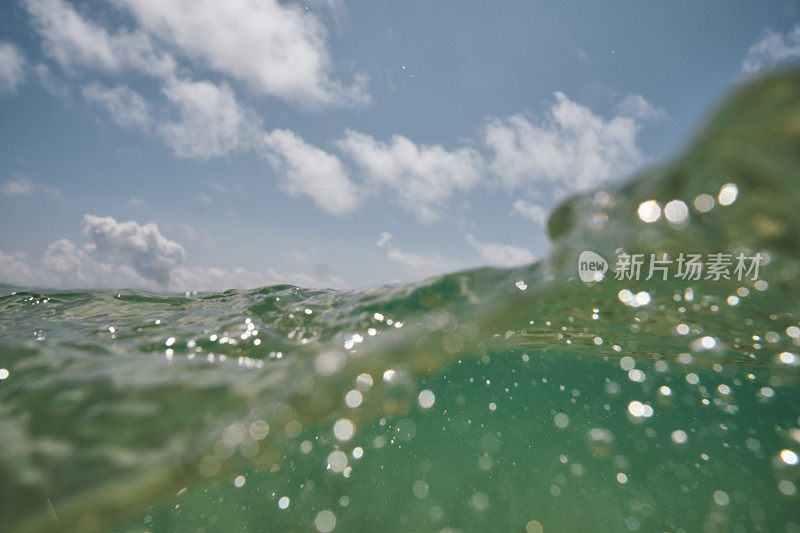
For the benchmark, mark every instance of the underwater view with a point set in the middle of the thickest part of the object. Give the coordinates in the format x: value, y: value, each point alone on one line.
x: 644, y: 376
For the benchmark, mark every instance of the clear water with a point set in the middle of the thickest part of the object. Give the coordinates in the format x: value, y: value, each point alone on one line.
x: 470, y: 402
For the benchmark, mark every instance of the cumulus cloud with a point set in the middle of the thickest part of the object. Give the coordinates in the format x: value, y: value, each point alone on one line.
x: 308, y: 170
x: 211, y: 124
x: 12, y: 64
x: 20, y: 185
x: 129, y: 254
x: 14, y: 269
x: 126, y: 107
x: 76, y: 43
x: 418, y: 265
x: 207, y: 121
x: 530, y: 211
x: 503, y: 255
x: 772, y: 48
x: 141, y: 247
x: 571, y: 148
x: 421, y: 178
x: 280, y: 50
x: 200, y: 119
x: 276, y: 49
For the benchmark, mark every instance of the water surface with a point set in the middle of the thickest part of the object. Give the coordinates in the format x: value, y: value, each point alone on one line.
x: 514, y: 400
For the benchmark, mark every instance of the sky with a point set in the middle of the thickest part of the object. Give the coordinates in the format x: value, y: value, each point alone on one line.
x: 176, y: 145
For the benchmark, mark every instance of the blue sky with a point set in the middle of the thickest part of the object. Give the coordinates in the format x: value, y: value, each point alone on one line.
x: 178, y: 145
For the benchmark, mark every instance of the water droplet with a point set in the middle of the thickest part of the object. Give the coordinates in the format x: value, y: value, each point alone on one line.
x: 649, y: 211
x: 325, y: 521
x: 426, y: 399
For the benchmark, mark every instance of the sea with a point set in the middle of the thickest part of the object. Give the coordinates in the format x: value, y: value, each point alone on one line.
x: 641, y: 377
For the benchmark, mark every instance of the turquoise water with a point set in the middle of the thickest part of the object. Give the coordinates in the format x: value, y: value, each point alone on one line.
x: 509, y: 400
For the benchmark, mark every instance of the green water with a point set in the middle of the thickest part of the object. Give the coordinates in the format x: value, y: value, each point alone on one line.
x: 470, y: 402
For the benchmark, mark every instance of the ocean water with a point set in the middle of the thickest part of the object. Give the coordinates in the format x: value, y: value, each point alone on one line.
x: 487, y: 400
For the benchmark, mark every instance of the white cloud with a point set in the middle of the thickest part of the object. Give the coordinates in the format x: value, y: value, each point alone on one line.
x: 530, y: 211
x: 572, y: 148
x: 503, y: 255
x: 278, y: 49
x: 12, y: 64
x: 422, y: 178
x: 14, y: 269
x: 75, y: 42
x: 306, y: 169
x: 67, y: 265
x: 212, y: 123
x: 20, y: 185
x: 71, y: 40
x: 50, y: 82
x: 773, y: 48
x: 129, y: 254
x: 384, y: 238
x: 635, y: 105
x: 127, y: 108
x: 418, y: 265
x: 209, y: 121
x: 141, y: 247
